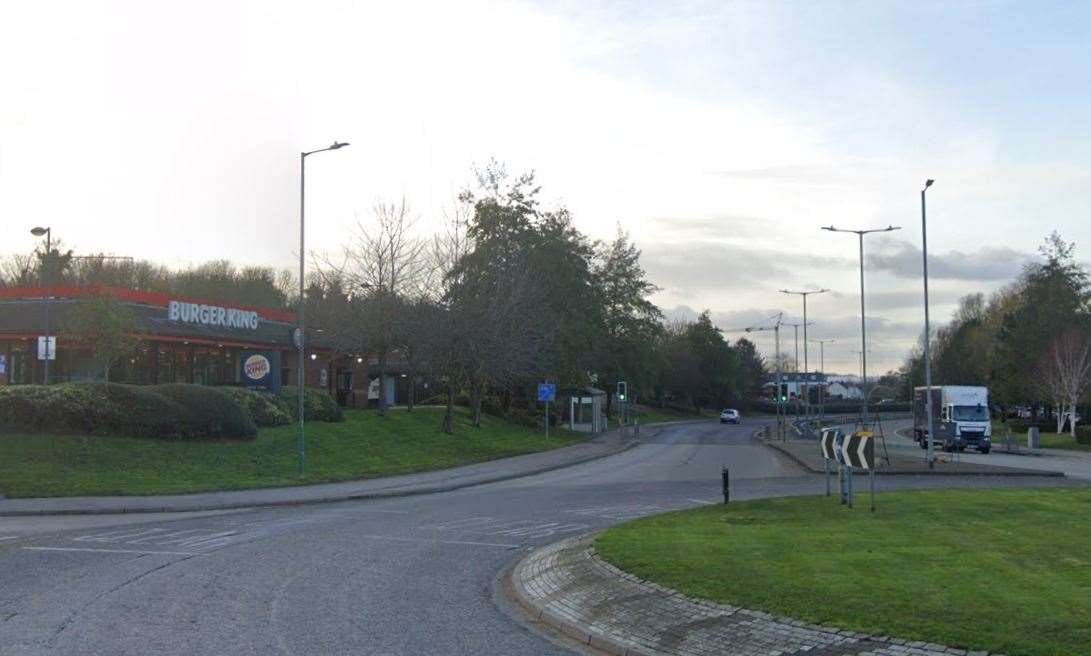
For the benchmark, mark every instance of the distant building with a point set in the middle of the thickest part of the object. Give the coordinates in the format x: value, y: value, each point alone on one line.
x: 844, y: 390
x: 794, y: 383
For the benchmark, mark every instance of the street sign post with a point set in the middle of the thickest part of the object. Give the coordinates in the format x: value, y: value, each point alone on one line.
x: 856, y: 451
x: 547, y: 392
x: 829, y: 436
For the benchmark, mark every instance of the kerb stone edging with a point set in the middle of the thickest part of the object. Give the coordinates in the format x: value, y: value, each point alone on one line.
x: 568, y: 587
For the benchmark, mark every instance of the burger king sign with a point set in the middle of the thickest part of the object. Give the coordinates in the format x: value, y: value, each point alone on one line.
x: 256, y: 367
x: 260, y: 370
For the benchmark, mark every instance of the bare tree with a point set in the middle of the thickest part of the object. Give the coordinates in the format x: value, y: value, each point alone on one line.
x: 17, y: 270
x: 1065, y: 374
x: 385, y: 265
x: 444, y: 337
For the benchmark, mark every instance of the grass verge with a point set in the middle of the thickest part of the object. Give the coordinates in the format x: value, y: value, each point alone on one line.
x: 363, y: 446
x: 1045, y: 441
x: 1003, y: 570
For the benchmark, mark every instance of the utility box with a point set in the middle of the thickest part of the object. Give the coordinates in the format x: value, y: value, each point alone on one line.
x: 1032, y: 437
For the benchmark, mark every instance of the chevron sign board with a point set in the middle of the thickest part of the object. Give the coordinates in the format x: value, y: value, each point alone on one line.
x: 858, y: 450
x: 829, y: 443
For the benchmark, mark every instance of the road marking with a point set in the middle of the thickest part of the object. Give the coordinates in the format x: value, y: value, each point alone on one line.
x: 129, y: 551
x: 425, y: 540
x: 703, y: 501
x: 8, y: 537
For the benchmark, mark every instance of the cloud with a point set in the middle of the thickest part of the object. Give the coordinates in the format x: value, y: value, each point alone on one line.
x: 688, y: 269
x: 990, y: 263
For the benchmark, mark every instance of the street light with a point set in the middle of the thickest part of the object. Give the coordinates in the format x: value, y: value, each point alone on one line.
x: 776, y: 346
x: 301, y: 379
x: 927, y: 326
x: 863, y: 326
x: 48, y: 234
x: 822, y: 364
x: 806, y: 365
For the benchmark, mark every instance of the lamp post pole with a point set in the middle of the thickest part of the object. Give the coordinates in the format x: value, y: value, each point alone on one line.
x: 823, y: 384
x: 776, y: 349
x: 301, y: 378
x: 863, y: 322
x: 927, y: 326
x: 45, y: 280
x: 806, y: 364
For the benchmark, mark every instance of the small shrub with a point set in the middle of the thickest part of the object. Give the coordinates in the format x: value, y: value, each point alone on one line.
x: 317, y: 404
x: 265, y: 409
x: 209, y: 412
x: 1083, y: 434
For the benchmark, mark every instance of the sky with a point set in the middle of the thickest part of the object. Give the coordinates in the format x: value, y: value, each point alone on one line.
x: 720, y: 135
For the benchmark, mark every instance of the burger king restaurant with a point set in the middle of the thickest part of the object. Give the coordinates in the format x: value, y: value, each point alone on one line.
x: 178, y: 340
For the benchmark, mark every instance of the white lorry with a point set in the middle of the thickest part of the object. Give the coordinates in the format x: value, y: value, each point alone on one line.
x: 960, y: 416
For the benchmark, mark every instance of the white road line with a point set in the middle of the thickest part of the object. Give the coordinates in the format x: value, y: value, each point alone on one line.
x: 8, y: 537
x: 129, y: 551
x: 703, y: 501
x: 427, y: 541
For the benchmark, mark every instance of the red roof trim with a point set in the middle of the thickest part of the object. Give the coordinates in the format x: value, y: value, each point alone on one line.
x: 136, y: 296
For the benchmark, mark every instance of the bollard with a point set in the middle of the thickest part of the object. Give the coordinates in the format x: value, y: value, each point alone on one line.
x: 726, y: 481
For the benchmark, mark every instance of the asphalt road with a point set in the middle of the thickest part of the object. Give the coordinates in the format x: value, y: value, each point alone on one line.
x: 397, y: 576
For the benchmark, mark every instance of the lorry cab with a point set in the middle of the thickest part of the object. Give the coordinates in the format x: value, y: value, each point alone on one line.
x: 961, y: 417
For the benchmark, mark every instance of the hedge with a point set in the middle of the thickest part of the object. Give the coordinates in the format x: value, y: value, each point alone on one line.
x: 209, y: 412
x: 265, y: 409
x: 161, y: 411
x: 317, y: 405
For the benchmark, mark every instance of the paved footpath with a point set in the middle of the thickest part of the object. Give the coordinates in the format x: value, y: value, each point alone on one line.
x: 443, y: 480
x: 567, y: 586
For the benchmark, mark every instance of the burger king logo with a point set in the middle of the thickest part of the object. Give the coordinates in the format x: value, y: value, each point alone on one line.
x: 256, y: 367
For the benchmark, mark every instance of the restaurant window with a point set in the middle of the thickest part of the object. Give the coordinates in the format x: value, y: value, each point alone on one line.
x: 20, y: 363
x: 207, y: 366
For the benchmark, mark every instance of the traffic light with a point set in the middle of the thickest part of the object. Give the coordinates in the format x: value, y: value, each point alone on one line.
x: 784, y: 391
x: 622, y: 390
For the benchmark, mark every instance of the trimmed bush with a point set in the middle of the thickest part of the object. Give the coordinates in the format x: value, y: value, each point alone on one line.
x: 163, y: 411
x: 93, y: 408
x: 265, y: 409
x: 209, y: 411
x: 317, y: 405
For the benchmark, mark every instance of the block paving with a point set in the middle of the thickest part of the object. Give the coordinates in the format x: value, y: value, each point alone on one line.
x: 567, y: 586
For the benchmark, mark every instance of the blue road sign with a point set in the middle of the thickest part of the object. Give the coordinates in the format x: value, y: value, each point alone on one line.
x: 547, y: 392
x: 839, y: 445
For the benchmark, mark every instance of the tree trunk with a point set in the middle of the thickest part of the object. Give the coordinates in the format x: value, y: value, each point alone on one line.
x: 475, y: 400
x: 412, y: 391
x: 1060, y: 418
x: 382, y: 384
x: 449, y: 415
x: 1072, y: 421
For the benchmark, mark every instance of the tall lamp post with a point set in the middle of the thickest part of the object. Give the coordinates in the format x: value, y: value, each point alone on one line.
x: 795, y: 365
x: 863, y: 325
x: 301, y: 379
x: 806, y: 365
x: 776, y: 346
x: 927, y: 326
x: 822, y: 364
x: 45, y: 280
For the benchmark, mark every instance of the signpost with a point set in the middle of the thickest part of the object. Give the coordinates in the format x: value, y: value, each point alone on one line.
x: 47, y: 347
x: 547, y: 392
x: 856, y: 451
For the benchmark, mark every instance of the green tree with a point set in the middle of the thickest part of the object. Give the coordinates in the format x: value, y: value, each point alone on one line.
x: 106, y: 327
x: 1052, y: 296
x: 631, y: 322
